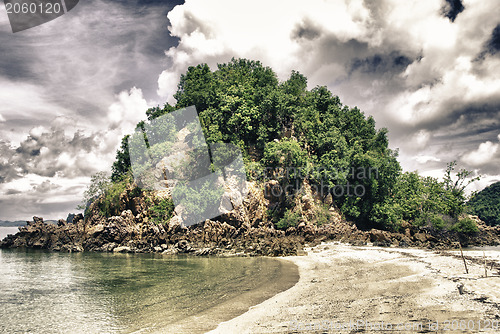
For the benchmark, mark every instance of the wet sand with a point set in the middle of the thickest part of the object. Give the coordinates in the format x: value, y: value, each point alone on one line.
x: 282, y: 278
x: 351, y: 289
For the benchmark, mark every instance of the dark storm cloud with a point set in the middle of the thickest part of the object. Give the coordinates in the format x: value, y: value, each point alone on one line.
x: 305, y: 30
x: 381, y: 63
x: 469, y: 117
x: 41, y: 155
x: 493, y: 46
x: 81, y: 60
x: 73, y: 68
x: 452, y: 8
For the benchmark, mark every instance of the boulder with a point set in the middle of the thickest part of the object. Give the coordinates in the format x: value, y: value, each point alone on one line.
x: 122, y: 249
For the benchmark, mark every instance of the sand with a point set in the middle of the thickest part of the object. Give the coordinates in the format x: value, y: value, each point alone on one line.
x: 350, y: 289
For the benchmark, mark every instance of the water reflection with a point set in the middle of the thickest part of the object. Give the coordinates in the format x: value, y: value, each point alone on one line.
x: 47, y: 292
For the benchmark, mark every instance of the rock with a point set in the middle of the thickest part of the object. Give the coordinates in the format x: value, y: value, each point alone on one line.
x: 422, y: 237
x: 96, y: 230
x: 170, y: 251
x: 225, y: 205
x: 328, y: 199
x: 203, y: 252
x: 378, y: 236
x: 272, y: 191
x: 246, y: 229
x: 70, y: 218
x: 182, y: 245
x: 307, y: 202
x: 122, y: 249
x: 408, y: 232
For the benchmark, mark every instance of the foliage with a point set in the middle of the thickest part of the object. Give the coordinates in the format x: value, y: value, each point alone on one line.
x: 161, y: 210
x: 197, y: 198
x: 322, y: 215
x: 99, y: 185
x: 290, y: 219
x: 121, y: 165
x: 425, y: 201
x: 109, y: 204
x: 285, y: 125
x: 486, y: 204
x: 465, y: 225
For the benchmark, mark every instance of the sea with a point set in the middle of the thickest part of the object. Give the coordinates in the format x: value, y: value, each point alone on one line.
x: 52, y: 292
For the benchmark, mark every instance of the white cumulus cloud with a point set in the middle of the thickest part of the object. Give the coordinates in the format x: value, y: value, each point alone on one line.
x: 483, y: 155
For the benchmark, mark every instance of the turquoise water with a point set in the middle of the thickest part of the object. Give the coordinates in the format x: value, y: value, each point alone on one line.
x: 49, y: 292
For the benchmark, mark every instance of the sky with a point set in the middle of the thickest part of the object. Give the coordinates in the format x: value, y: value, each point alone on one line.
x: 427, y: 70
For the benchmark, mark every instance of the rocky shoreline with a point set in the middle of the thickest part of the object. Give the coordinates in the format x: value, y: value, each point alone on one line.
x: 246, y: 230
x: 125, y: 233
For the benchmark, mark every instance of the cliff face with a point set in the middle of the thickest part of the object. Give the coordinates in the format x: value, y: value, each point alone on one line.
x: 247, y: 229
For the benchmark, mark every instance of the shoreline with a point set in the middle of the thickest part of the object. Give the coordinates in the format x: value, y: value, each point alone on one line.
x: 368, y: 285
x: 285, y: 277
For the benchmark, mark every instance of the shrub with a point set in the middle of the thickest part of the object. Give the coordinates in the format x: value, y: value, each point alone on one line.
x: 437, y: 222
x: 109, y: 203
x: 290, y: 219
x: 322, y: 215
x: 161, y: 211
x: 465, y: 225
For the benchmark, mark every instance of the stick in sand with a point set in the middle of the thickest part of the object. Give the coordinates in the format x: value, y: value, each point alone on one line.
x: 485, y: 270
x: 463, y: 258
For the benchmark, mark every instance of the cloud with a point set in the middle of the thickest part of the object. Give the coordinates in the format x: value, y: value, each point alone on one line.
x: 45, y: 187
x: 452, y: 8
x: 413, y: 66
x: 128, y: 110
x: 32, y: 195
x: 423, y: 159
x: 69, y: 93
x: 493, y: 45
x: 75, y: 65
x: 483, y: 155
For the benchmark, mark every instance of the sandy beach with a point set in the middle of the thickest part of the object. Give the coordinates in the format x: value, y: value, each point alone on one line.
x: 350, y: 289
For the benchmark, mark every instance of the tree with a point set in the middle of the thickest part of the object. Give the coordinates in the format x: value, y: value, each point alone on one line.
x: 486, y: 204
x: 99, y: 185
x: 121, y: 165
x: 455, y: 187
x: 283, y: 124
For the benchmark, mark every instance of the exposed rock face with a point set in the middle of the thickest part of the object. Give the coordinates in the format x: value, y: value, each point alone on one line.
x: 246, y: 229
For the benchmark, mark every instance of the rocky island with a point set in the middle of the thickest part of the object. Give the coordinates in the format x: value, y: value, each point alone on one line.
x: 316, y: 170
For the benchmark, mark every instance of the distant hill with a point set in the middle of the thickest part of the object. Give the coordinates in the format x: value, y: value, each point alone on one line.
x: 7, y: 223
x: 486, y: 204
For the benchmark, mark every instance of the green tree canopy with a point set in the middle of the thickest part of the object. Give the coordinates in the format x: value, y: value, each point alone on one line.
x: 283, y: 124
x: 486, y: 204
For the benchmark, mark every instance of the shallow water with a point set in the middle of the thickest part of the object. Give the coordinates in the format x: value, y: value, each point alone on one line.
x: 49, y: 292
